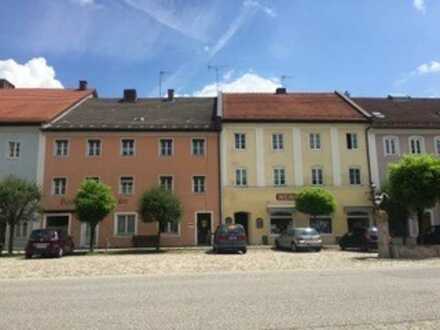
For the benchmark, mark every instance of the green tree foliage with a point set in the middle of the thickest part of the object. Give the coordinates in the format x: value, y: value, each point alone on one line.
x: 315, y: 201
x: 93, y: 202
x: 414, y: 181
x: 19, y: 202
x: 161, y: 206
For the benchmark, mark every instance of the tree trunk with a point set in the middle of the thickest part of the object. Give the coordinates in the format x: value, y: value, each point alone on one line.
x: 420, y: 214
x: 11, y: 238
x: 158, y: 238
x: 92, y: 237
x: 2, y: 236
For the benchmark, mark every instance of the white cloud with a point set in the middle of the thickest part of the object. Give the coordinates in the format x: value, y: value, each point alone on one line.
x: 433, y: 67
x: 420, y: 5
x: 84, y: 3
x: 248, y: 82
x: 35, y: 73
x: 267, y: 10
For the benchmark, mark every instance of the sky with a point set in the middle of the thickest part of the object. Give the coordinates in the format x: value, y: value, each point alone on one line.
x: 369, y: 47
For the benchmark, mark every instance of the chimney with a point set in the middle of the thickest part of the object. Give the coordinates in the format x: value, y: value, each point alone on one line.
x: 280, y: 91
x: 170, y: 95
x: 130, y: 95
x: 5, y: 84
x: 82, y: 85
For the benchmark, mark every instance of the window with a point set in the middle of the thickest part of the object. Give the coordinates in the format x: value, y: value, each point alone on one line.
x: 322, y: 224
x: 127, y: 147
x: 279, y: 222
x: 391, y: 145
x: 355, y: 176
x: 166, y: 147
x: 416, y: 145
x: 317, y: 177
x: 277, y: 141
x: 279, y: 176
x: 170, y: 227
x: 126, y: 185
x: 240, y: 141
x: 61, y: 148
x: 14, y: 149
x: 437, y: 145
x: 21, y: 230
x: 94, y: 148
x: 199, y: 184
x: 315, y: 141
x: 198, y: 147
x: 352, y: 141
x: 166, y: 183
x: 240, y: 177
x: 125, y: 224
x: 59, y: 186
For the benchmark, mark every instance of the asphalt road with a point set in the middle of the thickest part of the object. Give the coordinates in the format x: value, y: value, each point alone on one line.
x: 398, y: 299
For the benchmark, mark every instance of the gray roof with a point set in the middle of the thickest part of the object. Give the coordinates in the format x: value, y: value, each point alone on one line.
x: 150, y: 114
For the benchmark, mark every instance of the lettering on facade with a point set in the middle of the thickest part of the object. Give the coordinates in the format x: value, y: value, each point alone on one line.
x: 285, y: 196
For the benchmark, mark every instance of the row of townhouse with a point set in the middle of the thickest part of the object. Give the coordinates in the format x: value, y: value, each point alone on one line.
x: 237, y: 158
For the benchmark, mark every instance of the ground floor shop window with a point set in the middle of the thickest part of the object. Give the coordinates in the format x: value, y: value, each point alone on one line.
x: 357, y: 219
x: 323, y: 224
x: 279, y: 222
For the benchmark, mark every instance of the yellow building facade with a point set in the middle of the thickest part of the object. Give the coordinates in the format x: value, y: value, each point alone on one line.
x: 264, y: 166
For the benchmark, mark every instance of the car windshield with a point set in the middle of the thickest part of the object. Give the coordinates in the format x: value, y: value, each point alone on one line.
x: 306, y: 232
x: 43, y: 234
x: 231, y: 229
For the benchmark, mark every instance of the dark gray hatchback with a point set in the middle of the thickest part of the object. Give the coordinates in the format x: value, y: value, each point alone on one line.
x: 230, y: 237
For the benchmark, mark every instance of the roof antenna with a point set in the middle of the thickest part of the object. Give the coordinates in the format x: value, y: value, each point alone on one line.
x: 283, y: 78
x: 162, y: 73
x: 217, y: 69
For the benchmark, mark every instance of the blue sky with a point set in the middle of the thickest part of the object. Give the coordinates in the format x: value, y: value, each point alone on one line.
x: 370, y: 47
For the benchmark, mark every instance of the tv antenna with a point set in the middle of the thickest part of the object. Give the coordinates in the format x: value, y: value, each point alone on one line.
x: 162, y: 73
x: 217, y: 69
x: 283, y: 78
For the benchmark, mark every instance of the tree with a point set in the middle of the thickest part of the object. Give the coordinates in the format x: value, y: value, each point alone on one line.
x: 414, y: 181
x: 315, y: 201
x: 19, y: 202
x: 161, y: 206
x: 93, y: 202
x: 397, y: 213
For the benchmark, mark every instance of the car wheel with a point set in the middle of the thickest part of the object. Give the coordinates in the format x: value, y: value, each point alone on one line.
x: 318, y: 249
x: 277, y: 245
x: 294, y: 248
x: 244, y: 250
x: 28, y: 255
x: 342, y: 247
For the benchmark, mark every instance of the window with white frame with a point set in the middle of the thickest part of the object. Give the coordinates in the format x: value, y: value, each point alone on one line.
x: 125, y: 224
x: 416, y: 145
x: 166, y: 182
x: 277, y: 141
x: 391, y: 145
x: 199, y: 184
x: 279, y: 176
x: 317, y: 176
x: 352, y: 141
x: 198, y: 147
x: 170, y: 227
x: 59, y: 186
x: 437, y: 145
x: 240, y: 141
x: 241, y: 177
x: 166, y: 147
x: 94, y: 147
x: 61, y: 148
x: 93, y: 178
x: 21, y: 230
x: 126, y: 185
x: 354, y: 176
x: 14, y: 149
x: 322, y: 224
x: 127, y: 147
x: 315, y: 141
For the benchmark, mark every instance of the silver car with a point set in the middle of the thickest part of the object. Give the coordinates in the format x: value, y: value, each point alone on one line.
x: 296, y: 239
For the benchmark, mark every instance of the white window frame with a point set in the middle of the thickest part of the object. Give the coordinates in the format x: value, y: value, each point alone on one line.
x: 242, y: 170
x: 437, y: 145
x: 14, y: 156
x: 312, y: 171
x: 53, y: 186
x: 160, y: 146
x: 274, y: 176
x: 353, y: 138
x: 93, y: 177
x: 120, y: 185
x: 55, y: 148
x: 88, y: 147
x: 115, y: 224
x: 396, y: 145
x: 416, y: 138
x: 166, y: 175
x: 204, y: 146
x: 122, y: 147
x: 277, y: 142
x: 242, y: 142
x: 349, y: 175
x: 315, y: 141
x: 194, y: 184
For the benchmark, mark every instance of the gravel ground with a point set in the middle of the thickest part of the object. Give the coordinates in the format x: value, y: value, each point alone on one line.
x: 173, y: 262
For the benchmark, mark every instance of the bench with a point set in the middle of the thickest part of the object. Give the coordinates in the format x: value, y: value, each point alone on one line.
x: 145, y: 240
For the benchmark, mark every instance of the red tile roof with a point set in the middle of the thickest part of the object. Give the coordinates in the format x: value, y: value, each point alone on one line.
x: 326, y: 107
x: 36, y: 105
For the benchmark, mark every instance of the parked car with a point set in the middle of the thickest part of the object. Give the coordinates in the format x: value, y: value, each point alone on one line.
x: 296, y: 239
x: 49, y: 242
x: 362, y: 238
x: 230, y: 237
x: 431, y: 236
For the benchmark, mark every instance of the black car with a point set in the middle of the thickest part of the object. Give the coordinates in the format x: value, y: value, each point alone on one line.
x: 361, y: 238
x: 430, y: 236
x: 230, y: 237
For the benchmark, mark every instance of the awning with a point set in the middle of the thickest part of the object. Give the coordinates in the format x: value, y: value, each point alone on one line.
x: 360, y: 209
x: 281, y: 208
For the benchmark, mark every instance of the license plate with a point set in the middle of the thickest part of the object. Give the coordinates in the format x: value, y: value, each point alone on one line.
x: 40, y: 245
x: 233, y: 238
